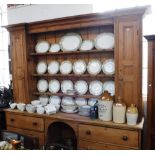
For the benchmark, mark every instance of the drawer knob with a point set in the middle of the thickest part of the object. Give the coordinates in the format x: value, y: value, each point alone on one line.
x: 35, y: 123
x: 88, y: 132
x: 125, y: 138
x: 12, y: 120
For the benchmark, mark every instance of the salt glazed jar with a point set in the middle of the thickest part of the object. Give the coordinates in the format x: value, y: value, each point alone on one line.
x: 105, y: 107
x: 132, y: 115
x: 119, y: 110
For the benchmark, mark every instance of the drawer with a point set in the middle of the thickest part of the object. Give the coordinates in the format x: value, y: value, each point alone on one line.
x: 109, y: 135
x: 25, y: 122
x: 87, y: 145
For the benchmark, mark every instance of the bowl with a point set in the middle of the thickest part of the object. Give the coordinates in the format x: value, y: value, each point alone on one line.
x: 13, y: 105
x: 21, y: 106
x: 30, y: 108
x: 35, y: 102
x: 40, y: 110
x: 69, y: 107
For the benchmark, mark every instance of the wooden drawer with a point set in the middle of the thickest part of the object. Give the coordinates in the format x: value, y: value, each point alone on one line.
x: 25, y: 122
x: 109, y: 135
x: 87, y: 145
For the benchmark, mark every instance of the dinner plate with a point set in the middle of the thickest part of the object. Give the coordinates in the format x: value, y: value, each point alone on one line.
x: 108, y: 67
x: 53, y: 67
x: 44, y: 99
x: 41, y: 67
x: 69, y: 111
x: 54, y: 86
x: 110, y: 87
x: 42, y: 85
x: 66, y: 67
x: 55, y: 100
x: 54, y: 48
x: 87, y: 45
x: 96, y: 88
x: 81, y: 87
x: 92, y: 101
x: 81, y: 101
x: 94, y: 67
x: 104, y: 41
x: 79, y: 67
x: 42, y: 47
x: 66, y: 85
x: 70, y: 42
x: 68, y: 101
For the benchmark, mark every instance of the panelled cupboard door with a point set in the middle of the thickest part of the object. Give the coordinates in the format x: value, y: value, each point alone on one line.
x: 128, y: 57
x: 18, y: 49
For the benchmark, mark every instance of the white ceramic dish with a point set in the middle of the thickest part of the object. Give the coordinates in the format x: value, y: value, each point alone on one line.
x: 67, y: 101
x: 69, y: 111
x: 96, y: 88
x: 21, y: 106
x: 13, y: 105
x: 70, y: 42
x: 44, y: 99
x: 35, y: 102
x: 41, y: 67
x: 42, y: 47
x: 40, y: 110
x: 79, y: 67
x: 87, y: 45
x: 54, y: 86
x: 69, y: 107
x: 108, y: 67
x: 30, y: 108
x: 109, y: 86
x: 53, y: 67
x: 50, y: 109
x: 92, y: 101
x: 81, y: 101
x: 66, y: 85
x: 54, y: 48
x: 56, y: 100
x: 94, y: 67
x: 42, y: 85
x: 66, y: 67
x: 81, y: 87
x: 104, y: 41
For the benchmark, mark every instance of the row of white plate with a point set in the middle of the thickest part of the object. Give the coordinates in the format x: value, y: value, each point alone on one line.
x: 73, y: 42
x: 79, y: 67
x: 81, y: 87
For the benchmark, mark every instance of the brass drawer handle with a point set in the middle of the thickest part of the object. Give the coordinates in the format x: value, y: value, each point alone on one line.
x: 35, y: 123
x: 125, y: 138
x: 88, y: 132
x: 12, y: 120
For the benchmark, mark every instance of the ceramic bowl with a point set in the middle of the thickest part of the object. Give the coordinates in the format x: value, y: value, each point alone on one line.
x: 13, y: 105
x: 21, y: 106
x: 40, y: 110
x: 35, y: 102
x: 30, y: 108
x: 69, y: 107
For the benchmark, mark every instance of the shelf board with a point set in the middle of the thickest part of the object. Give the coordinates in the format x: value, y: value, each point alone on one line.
x: 75, y: 52
x: 74, y: 75
x: 61, y: 95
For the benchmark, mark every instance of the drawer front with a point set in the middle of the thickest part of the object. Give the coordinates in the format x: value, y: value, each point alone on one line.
x: 25, y: 122
x: 109, y: 135
x: 87, y: 145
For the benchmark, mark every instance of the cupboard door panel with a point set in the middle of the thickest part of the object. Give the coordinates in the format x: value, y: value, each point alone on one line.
x: 19, y: 61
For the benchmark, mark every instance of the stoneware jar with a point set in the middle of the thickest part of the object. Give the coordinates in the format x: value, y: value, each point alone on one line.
x: 105, y: 107
x: 132, y: 115
x: 119, y: 110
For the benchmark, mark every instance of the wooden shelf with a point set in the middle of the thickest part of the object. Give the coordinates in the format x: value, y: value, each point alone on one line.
x: 74, y: 75
x: 61, y: 95
x: 75, y: 52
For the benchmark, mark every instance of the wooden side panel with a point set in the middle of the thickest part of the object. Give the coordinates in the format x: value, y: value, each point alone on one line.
x: 128, y: 57
x: 19, y: 63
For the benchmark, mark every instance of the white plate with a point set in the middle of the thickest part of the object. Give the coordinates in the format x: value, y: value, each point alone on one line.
x: 81, y: 101
x: 79, y: 67
x: 41, y: 67
x: 96, y: 88
x: 54, y: 48
x: 53, y: 67
x: 92, y: 101
x: 109, y: 86
x: 94, y: 67
x: 54, y: 86
x: 44, y: 99
x: 66, y: 85
x: 69, y: 111
x: 81, y: 87
x: 108, y: 67
x: 104, y: 41
x: 56, y: 100
x: 66, y: 67
x: 42, y: 85
x: 42, y: 47
x: 70, y: 42
x: 87, y: 45
x: 68, y: 101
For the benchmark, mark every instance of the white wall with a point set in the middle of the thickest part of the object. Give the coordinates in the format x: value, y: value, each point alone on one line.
x: 37, y: 12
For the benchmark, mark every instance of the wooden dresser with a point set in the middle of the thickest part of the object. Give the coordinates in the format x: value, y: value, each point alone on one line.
x: 91, y: 134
